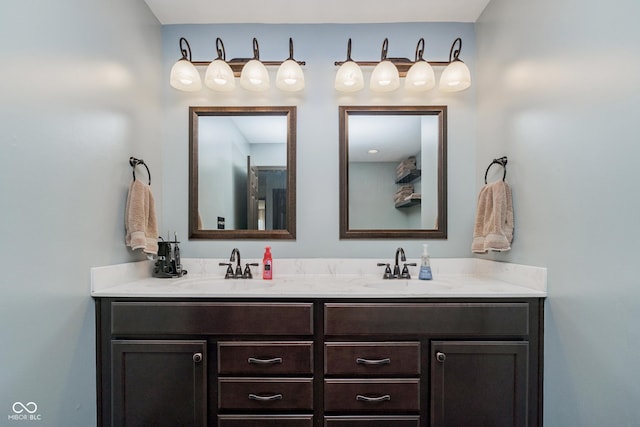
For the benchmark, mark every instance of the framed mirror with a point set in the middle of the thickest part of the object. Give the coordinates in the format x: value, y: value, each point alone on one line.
x: 393, y: 172
x: 242, y: 173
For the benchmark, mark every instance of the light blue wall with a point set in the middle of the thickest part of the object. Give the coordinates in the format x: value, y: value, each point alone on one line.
x: 559, y: 93
x: 79, y: 94
x: 317, y: 150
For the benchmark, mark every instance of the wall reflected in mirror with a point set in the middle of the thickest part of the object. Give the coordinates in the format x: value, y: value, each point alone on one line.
x: 393, y: 172
x: 242, y: 172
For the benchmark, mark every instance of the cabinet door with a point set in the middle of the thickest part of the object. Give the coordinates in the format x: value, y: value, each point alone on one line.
x: 481, y: 383
x: 159, y: 383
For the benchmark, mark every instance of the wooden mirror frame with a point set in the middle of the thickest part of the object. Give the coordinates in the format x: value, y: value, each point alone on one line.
x: 440, y: 232
x: 290, y: 231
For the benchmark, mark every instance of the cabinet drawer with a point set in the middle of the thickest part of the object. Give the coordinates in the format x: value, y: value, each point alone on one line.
x: 371, y: 358
x: 181, y: 318
x: 265, y: 393
x: 372, y: 395
x: 265, y: 420
x: 450, y: 319
x: 268, y: 358
x: 373, y: 421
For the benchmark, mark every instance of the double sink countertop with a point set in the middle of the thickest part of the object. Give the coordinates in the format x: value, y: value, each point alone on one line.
x: 324, y: 278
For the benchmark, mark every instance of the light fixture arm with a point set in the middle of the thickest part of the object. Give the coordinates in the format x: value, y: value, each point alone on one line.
x: 454, y: 53
x: 186, y: 53
x: 290, y: 49
x: 256, y: 49
x: 385, y: 48
x: 420, y: 50
x: 220, y: 49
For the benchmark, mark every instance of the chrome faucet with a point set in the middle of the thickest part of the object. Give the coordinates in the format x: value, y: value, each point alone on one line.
x: 400, y: 257
x: 238, y: 273
x: 396, y: 267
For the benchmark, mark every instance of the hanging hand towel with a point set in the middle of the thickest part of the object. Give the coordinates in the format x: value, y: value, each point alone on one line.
x: 493, y: 229
x: 140, y: 219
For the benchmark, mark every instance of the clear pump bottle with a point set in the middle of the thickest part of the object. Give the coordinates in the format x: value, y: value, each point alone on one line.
x: 425, y: 264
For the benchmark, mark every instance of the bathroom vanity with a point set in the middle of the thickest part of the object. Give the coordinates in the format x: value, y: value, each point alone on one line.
x: 320, y: 351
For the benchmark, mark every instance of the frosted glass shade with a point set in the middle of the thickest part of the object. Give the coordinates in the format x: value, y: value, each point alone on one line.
x: 385, y: 77
x: 420, y: 77
x: 219, y: 76
x: 290, y: 77
x: 349, y: 77
x: 185, y: 77
x: 254, y: 76
x: 455, y: 77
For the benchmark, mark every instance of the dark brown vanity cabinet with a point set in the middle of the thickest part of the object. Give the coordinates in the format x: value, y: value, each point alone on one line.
x: 313, y: 363
x: 479, y: 383
x: 159, y: 382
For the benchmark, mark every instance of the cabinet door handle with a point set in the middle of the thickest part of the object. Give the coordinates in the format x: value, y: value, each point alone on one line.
x: 383, y: 398
x: 361, y: 361
x: 441, y: 357
x: 197, y: 357
x: 257, y: 361
x: 265, y: 398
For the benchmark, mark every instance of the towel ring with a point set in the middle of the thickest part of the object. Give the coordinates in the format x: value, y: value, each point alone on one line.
x: 135, y: 162
x: 502, y: 161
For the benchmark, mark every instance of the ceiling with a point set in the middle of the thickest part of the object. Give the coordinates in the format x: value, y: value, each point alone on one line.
x: 314, y: 11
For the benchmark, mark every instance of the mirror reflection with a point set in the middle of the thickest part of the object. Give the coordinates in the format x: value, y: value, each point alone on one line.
x: 392, y: 165
x: 242, y: 172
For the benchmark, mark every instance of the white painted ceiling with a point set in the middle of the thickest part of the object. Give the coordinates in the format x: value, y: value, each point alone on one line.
x: 314, y: 11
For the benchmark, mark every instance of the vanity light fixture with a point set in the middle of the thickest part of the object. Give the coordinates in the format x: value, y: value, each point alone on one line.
x: 254, y: 74
x: 220, y: 74
x: 456, y: 76
x: 290, y: 77
x: 419, y: 73
x: 385, y: 77
x: 349, y: 76
x: 420, y: 76
x: 184, y: 75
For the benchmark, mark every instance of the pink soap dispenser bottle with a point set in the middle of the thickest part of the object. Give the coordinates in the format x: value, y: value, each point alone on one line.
x: 267, y: 272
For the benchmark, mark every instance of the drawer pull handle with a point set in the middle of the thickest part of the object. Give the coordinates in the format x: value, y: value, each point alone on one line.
x: 361, y: 361
x: 441, y: 357
x: 197, y: 357
x: 383, y: 398
x: 265, y: 398
x: 273, y: 361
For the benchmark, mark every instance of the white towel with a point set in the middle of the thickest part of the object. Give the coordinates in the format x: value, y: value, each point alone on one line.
x: 140, y: 219
x: 493, y: 229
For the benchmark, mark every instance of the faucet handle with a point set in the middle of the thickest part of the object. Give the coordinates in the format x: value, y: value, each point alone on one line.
x: 229, y: 273
x: 405, y: 270
x: 247, y: 270
x: 387, y: 270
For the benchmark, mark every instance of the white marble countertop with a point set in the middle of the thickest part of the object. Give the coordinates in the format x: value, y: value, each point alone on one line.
x: 325, y: 278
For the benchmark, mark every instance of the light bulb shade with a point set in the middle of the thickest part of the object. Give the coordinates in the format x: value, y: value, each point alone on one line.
x: 349, y: 77
x: 420, y: 77
x: 219, y: 76
x: 254, y: 76
x: 455, y: 77
x: 385, y: 77
x: 290, y: 77
x: 185, y: 77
